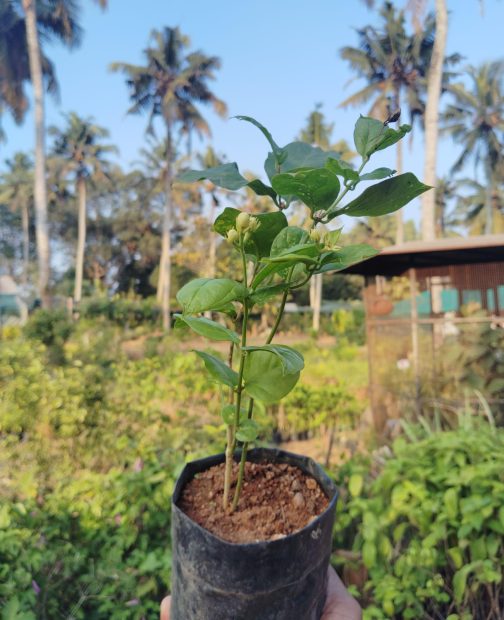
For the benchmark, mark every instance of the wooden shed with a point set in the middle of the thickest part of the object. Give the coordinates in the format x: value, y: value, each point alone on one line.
x: 435, y: 325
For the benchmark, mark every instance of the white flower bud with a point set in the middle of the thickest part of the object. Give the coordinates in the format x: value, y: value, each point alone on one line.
x: 254, y: 224
x: 242, y: 221
x: 232, y: 236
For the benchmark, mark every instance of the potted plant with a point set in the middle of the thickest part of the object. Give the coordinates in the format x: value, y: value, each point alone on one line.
x: 251, y: 529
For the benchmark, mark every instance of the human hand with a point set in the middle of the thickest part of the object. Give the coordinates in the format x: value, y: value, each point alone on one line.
x: 340, y: 605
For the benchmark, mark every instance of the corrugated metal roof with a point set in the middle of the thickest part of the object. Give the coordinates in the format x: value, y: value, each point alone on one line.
x: 397, y: 259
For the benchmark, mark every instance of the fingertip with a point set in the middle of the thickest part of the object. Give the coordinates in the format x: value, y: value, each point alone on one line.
x: 165, y: 608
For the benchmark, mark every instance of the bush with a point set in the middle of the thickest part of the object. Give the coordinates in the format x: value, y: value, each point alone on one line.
x: 429, y: 527
x: 52, y: 328
x: 89, y: 451
x: 309, y: 408
x: 350, y: 325
x: 122, y: 311
x: 97, y: 547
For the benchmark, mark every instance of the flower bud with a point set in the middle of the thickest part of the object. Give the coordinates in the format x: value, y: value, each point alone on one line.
x: 246, y: 237
x: 254, y: 224
x: 242, y: 221
x: 315, y: 235
x: 232, y: 236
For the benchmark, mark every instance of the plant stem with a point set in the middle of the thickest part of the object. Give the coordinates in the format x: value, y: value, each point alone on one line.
x: 345, y: 191
x: 232, y: 444
x: 243, y: 457
x: 229, y: 443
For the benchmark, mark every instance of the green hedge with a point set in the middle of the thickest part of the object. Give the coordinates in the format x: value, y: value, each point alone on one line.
x: 428, y: 526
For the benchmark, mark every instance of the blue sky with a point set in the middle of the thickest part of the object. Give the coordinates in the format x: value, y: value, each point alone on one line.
x: 279, y: 58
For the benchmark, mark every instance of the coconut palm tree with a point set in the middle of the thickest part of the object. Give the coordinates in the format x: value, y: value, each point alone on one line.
x: 445, y: 193
x: 44, y: 20
x: 186, y: 199
x: 24, y: 25
x: 170, y: 85
x: 16, y: 191
x: 475, y: 120
x: 394, y: 63
x: 472, y: 207
x: 80, y: 148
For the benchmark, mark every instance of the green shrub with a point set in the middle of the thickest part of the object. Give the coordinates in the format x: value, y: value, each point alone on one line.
x: 350, y: 325
x: 429, y: 526
x: 52, y: 328
x: 122, y: 311
x: 309, y: 408
x: 97, y: 547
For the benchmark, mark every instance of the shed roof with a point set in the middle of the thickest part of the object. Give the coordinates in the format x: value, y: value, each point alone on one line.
x: 397, y: 259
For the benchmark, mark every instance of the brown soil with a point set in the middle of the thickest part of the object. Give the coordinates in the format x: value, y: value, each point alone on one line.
x: 276, y: 500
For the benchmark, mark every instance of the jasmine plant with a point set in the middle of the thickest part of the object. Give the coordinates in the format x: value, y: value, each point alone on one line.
x: 277, y: 258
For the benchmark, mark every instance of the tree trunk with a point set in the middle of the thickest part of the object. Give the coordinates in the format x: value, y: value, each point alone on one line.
x: 25, y: 220
x: 434, y: 78
x: 316, y: 301
x: 42, y: 229
x: 399, y: 214
x: 490, y: 191
x: 165, y: 265
x: 81, y: 240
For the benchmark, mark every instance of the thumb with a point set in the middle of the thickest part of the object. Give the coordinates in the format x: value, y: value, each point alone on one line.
x: 165, y: 608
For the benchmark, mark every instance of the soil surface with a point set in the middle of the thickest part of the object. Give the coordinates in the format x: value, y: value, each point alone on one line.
x: 276, y: 500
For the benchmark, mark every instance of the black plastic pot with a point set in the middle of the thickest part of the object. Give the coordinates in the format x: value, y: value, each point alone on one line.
x: 283, y: 579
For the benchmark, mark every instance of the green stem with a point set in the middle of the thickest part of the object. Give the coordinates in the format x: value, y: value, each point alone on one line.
x: 243, y: 354
x: 345, y: 191
x: 243, y: 458
x: 229, y: 444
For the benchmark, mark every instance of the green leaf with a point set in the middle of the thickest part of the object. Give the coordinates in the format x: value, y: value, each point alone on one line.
x: 377, y: 174
x: 292, y: 361
x: 204, y: 294
x: 228, y: 413
x: 226, y: 175
x: 301, y: 255
x: 207, y: 328
x: 332, y: 237
x: 264, y: 377
x: 261, y: 239
x: 299, y: 155
x: 455, y: 554
x: 355, y: 485
x: 460, y: 583
x: 262, y: 295
x: 342, y: 169
x: 371, y: 135
x: 317, y: 188
x: 266, y: 272
x: 261, y: 189
x: 384, y: 197
x: 369, y: 554
x: 451, y: 503
x: 277, y: 151
x: 218, y: 369
x: 287, y: 238
x: 349, y: 255
x: 367, y: 134
x: 247, y: 431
